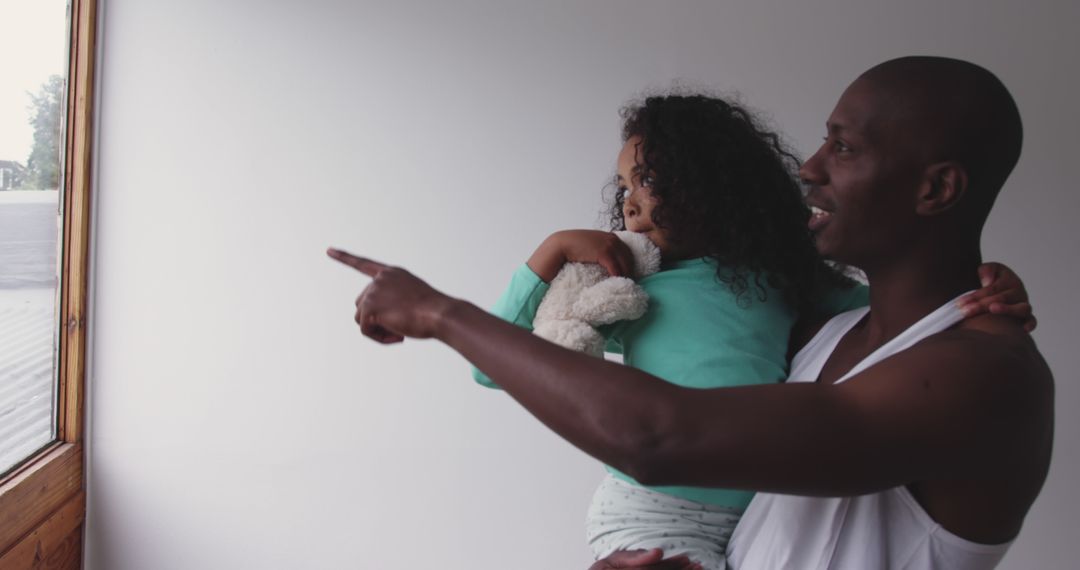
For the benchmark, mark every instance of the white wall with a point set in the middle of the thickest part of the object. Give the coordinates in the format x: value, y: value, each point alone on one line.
x: 238, y: 418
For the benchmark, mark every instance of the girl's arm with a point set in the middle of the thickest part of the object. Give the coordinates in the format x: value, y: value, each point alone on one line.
x: 1002, y: 293
x: 529, y: 284
x: 586, y: 246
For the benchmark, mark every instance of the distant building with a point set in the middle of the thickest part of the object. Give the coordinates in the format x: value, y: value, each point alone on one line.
x: 11, y: 174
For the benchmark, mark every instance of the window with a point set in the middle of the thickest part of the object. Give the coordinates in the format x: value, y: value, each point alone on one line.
x: 42, y: 498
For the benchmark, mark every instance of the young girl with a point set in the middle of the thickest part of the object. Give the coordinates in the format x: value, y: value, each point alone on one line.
x: 718, y: 195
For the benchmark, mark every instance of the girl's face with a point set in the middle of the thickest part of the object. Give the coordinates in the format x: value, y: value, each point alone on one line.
x: 638, y: 200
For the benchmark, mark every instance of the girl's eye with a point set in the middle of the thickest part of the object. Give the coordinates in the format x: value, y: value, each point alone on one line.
x: 647, y: 181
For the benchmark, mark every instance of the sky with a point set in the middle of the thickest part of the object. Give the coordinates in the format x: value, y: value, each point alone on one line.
x: 33, y: 46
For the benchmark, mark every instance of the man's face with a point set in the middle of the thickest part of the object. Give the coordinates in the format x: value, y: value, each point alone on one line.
x: 862, y: 180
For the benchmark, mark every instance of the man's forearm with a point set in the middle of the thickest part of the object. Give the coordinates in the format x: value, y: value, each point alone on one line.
x: 608, y: 410
x: 809, y: 438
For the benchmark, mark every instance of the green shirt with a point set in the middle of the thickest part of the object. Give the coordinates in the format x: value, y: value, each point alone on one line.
x: 696, y: 333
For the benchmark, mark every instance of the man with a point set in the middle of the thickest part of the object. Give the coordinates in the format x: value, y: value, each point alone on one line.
x: 927, y: 455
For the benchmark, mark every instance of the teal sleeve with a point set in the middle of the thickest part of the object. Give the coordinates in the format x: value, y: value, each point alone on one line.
x: 517, y: 305
x: 840, y: 300
x: 613, y: 336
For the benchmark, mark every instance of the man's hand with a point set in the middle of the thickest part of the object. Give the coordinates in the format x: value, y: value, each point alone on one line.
x: 1002, y: 293
x: 586, y: 246
x: 395, y: 304
x: 644, y: 560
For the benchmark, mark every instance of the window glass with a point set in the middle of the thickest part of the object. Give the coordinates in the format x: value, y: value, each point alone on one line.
x: 33, y: 45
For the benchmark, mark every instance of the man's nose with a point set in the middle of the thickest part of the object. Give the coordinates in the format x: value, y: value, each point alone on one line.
x: 811, y: 171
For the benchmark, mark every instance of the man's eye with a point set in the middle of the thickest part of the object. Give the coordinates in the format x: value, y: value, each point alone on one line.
x: 622, y: 192
x: 838, y: 144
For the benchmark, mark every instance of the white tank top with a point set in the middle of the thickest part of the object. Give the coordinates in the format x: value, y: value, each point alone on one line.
x: 887, y: 530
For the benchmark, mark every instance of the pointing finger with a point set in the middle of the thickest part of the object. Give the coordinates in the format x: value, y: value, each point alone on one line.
x: 361, y: 264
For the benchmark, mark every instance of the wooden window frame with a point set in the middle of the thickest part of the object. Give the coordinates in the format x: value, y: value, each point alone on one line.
x: 43, y: 502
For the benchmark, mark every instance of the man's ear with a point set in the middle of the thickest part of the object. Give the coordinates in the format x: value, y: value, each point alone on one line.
x: 943, y: 187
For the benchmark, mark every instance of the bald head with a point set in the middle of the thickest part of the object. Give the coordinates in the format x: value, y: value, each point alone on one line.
x: 954, y: 110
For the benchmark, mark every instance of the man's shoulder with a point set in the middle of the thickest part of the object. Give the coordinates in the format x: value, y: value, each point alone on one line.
x: 999, y: 398
x: 995, y: 339
x: 987, y: 338
x: 987, y: 353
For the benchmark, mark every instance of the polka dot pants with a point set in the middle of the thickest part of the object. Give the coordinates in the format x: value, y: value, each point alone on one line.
x: 623, y: 516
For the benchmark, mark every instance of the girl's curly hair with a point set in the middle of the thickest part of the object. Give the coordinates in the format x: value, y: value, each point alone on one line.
x: 727, y: 188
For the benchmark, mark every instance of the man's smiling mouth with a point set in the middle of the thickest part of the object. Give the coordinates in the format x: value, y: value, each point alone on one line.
x: 818, y: 218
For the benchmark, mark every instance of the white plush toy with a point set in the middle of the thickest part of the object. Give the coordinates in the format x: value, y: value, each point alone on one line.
x: 583, y: 296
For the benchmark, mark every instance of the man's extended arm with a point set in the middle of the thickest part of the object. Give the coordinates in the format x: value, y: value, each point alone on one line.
x: 946, y: 408
x: 931, y: 411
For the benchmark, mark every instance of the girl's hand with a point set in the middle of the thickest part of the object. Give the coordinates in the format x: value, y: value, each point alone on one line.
x: 586, y: 246
x: 1002, y: 293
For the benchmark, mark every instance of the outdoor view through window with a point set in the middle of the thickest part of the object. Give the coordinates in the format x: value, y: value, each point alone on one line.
x: 33, y: 50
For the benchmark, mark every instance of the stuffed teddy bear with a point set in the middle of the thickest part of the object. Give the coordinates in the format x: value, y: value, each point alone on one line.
x: 583, y: 296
